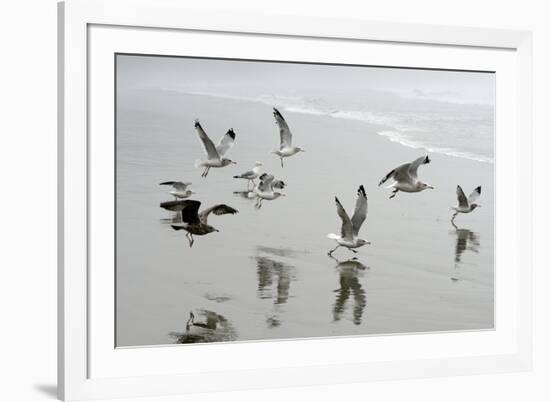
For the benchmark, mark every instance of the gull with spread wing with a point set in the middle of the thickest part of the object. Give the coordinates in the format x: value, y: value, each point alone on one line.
x: 215, y: 154
x: 285, y: 149
x: 267, y: 189
x: 180, y: 189
x: 197, y: 222
x: 466, y: 205
x: 406, y: 177
x: 350, y: 227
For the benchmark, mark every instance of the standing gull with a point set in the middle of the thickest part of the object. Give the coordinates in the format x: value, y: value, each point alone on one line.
x: 267, y: 189
x: 251, y: 175
x: 197, y: 222
x: 406, y: 177
x: 215, y: 154
x: 180, y: 188
x: 465, y: 205
x: 286, y: 149
x: 350, y: 227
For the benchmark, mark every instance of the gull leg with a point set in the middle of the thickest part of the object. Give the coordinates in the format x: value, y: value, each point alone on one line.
x: 453, y: 218
x: 282, y: 162
x: 333, y: 250
x: 192, y: 241
x: 204, y: 171
x: 394, y: 193
x: 188, y: 235
x: 352, y: 250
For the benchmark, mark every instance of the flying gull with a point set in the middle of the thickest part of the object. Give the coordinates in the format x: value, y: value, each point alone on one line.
x: 286, y: 149
x: 466, y: 205
x: 215, y: 154
x: 180, y: 189
x: 350, y: 227
x: 251, y: 175
x: 267, y: 189
x: 406, y: 177
x: 197, y: 222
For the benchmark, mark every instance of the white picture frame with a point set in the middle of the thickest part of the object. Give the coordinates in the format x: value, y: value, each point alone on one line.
x: 90, y: 32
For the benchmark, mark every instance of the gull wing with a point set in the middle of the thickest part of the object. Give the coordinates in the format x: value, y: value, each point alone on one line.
x: 284, y: 131
x: 211, y: 151
x: 249, y: 174
x: 178, y: 185
x: 413, y: 169
x: 347, y: 227
x: 360, y: 213
x: 400, y: 173
x: 219, y: 209
x: 474, y: 195
x: 265, y: 183
x: 278, y: 184
x: 190, y: 214
x: 226, y: 142
x: 462, y: 200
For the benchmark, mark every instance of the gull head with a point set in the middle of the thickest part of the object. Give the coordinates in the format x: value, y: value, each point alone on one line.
x: 298, y: 149
x: 362, y: 242
x: 474, y: 206
x: 226, y: 162
x: 424, y: 186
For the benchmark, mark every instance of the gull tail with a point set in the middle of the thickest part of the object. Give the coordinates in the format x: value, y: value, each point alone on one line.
x: 198, y: 163
x: 333, y: 236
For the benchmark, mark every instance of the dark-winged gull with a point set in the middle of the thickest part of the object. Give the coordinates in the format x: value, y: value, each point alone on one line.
x: 252, y: 174
x: 215, y: 154
x: 350, y: 227
x: 406, y: 177
x: 285, y: 149
x: 267, y: 189
x: 465, y: 205
x: 180, y: 190
x: 197, y: 222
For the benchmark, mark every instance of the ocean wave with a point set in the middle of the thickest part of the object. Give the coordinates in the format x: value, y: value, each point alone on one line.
x: 411, y: 129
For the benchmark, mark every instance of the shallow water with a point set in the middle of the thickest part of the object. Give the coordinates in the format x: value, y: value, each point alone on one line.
x: 267, y: 273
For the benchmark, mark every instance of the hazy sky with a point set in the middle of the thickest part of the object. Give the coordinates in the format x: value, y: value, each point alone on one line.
x: 258, y: 78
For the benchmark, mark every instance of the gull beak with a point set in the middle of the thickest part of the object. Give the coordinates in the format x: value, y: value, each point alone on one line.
x: 233, y: 162
x: 431, y: 187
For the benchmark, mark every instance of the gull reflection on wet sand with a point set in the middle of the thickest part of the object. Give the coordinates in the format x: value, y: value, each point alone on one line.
x: 465, y: 240
x: 205, y: 326
x: 350, y: 271
x: 274, y: 279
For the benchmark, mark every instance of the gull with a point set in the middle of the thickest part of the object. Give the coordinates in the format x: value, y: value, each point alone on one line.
x: 251, y: 175
x: 406, y: 178
x: 267, y: 189
x: 350, y: 227
x: 197, y: 222
x: 180, y: 188
x: 286, y: 149
x: 215, y: 154
x: 465, y: 205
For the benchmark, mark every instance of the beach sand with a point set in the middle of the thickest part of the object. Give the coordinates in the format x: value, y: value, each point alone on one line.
x: 267, y: 271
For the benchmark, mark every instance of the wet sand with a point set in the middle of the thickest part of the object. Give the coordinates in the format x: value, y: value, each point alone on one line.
x: 267, y: 273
